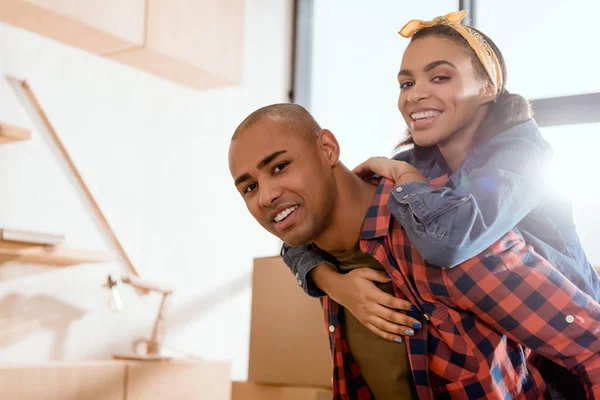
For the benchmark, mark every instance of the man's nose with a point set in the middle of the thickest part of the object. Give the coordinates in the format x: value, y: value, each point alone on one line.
x: 268, y: 194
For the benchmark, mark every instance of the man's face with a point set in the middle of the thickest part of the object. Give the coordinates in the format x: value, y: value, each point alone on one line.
x: 286, y: 180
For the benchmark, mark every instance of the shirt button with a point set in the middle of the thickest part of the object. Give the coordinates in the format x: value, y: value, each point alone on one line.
x: 299, y: 282
x: 405, y: 197
x: 399, y: 189
x: 297, y: 275
x: 570, y: 318
x: 331, y: 328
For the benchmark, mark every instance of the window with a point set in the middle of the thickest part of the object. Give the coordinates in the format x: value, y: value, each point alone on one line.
x: 573, y: 175
x: 549, y: 47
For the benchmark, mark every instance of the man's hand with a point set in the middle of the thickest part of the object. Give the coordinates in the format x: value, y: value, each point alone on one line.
x: 374, y: 308
x: 397, y: 171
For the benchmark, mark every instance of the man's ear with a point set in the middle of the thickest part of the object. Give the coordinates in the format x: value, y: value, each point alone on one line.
x: 328, y: 146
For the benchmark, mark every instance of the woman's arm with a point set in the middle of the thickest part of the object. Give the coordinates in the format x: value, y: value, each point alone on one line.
x: 449, y: 226
x: 317, y: 273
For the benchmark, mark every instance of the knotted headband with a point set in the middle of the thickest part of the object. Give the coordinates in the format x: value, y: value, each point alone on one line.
x: 480, y: 46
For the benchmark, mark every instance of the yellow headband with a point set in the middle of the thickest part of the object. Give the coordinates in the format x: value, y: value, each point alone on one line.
x: 480, y: 46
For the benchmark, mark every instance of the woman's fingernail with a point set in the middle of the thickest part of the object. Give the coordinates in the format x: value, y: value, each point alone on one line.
x: 413, y: 308
x: 416, y: 325
x: 409, y: 332
x: 398, y: 340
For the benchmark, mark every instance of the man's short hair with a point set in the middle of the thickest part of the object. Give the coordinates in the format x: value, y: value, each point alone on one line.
x: 294, y: 116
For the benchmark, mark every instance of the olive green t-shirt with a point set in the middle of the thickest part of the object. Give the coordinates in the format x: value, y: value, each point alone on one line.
x: 383, y: 364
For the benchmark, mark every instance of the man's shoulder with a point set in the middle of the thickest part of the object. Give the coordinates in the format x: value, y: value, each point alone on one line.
x: 405, y: 155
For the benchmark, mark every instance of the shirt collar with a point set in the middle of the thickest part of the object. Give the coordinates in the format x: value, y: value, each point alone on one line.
x: 377, y: 220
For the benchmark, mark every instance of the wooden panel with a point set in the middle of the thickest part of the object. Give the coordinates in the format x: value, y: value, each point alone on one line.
x: 178, y: 380
x: 10, y: 133
x: 197, y: 43
x: 123, y: 19
x: 98, y: 26
x: 50, y: 255
x: 62, y: 381
x: 206, y: 34
x: 171, y: 69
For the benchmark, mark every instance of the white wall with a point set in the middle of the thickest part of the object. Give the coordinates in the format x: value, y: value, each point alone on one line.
x: 155, y: 156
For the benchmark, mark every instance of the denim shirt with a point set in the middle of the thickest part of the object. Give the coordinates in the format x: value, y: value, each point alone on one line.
x: 502, y: 185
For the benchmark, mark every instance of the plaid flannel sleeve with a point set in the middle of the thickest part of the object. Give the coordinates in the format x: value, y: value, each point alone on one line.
x: 521, y: 295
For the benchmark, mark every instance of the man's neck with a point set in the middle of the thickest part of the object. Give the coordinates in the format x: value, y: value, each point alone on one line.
x: 354, y: 199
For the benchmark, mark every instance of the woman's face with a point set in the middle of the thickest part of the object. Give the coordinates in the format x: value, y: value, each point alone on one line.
x: 441, y: 93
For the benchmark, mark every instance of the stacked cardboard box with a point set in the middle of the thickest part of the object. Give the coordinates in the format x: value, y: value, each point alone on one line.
x: 116, y: 380
x: 289, y: 349
x: 254, y: 391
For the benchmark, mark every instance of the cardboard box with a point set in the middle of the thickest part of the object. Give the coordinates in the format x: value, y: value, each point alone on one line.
x: 253, y: 391
x: 95, y: 380
x: 173, y: 380
x: 116, y: 380
x: 288, y: 339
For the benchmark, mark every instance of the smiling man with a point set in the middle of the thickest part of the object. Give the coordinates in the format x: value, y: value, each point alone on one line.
x: 292, y: 204
x: 478, y: 320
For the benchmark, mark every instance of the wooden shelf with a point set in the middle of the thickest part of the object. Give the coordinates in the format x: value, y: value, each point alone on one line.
x: 197, y: 43
x: 50, y: 255
x: 9, y: 133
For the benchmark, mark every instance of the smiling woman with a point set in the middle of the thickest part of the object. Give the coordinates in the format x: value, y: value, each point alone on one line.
x: 469, y: 101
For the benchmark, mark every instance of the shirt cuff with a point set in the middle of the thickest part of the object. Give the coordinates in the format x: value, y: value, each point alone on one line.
x: 305, y: 281
x: 303, y: 259
x: 409, y: 196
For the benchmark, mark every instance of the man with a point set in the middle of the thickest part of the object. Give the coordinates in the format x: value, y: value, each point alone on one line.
x: 473, y: 342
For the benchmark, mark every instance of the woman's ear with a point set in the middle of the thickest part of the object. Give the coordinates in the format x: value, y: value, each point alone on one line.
x: 329, y: 146
x: 488, y: 93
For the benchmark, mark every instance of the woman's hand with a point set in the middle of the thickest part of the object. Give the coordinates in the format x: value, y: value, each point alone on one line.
x: 397, y: 171
x: 374, y: 308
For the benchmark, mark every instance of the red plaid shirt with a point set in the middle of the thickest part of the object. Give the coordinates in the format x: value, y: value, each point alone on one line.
x: 478, y: 319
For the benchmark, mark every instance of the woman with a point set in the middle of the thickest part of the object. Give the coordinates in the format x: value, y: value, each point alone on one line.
x: 475, y: 171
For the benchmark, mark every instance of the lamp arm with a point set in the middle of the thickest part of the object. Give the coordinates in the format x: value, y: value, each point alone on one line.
x: 155, y: 339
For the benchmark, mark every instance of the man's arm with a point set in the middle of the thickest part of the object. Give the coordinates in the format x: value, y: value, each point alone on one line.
x: 521, y: 295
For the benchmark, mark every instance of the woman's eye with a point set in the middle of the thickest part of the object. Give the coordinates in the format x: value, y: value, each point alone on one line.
x: 406, y: 85
x: 440, y: 78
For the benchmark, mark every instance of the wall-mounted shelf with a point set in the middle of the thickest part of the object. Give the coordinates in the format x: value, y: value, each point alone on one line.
x: 197, y: 43
x: 27, y: 252
x: 9, y: 133
x: 58, y: 256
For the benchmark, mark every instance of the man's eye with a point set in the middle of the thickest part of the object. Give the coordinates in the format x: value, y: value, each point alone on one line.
x: 280, y: 167
x: 250, y: 188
